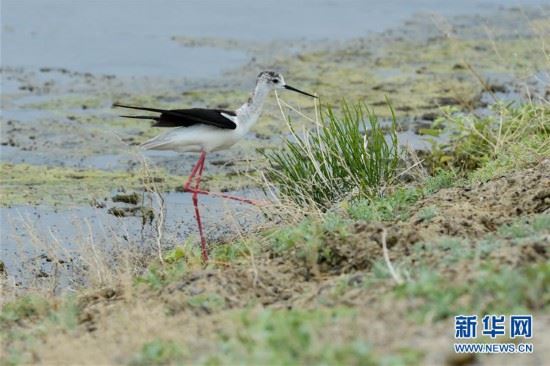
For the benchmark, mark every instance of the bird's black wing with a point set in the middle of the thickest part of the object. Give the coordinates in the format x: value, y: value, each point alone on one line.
x: 186, y: 117
x: 189, y: 117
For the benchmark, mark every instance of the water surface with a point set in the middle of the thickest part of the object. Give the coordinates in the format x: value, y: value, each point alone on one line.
x: 133, y: 37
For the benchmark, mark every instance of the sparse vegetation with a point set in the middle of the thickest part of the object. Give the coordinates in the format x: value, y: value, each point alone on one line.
x: 510, y: 136
x: 493, y: 288
x: 293, y: 337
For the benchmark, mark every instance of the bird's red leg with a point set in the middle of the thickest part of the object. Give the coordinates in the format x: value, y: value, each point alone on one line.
x: 193, y: 172
x: 230, y: 197
x: 199, y: 167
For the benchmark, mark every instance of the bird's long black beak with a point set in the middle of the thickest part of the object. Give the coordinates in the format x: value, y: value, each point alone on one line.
x: 299, y: 91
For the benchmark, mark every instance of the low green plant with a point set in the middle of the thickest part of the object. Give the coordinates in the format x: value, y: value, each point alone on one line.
x: 157, y: 276
x: 441, y: 179
x: 207, y: 301
x: 308, y: 231
x: 229, y: 252
x: 390, y: 207
x: 493, y: 289
x: 526, y: 227
x: 301, y: 337
x: 66, y: 313
x: 541, y: 223
x: 157, y: 352
x: 349, y: 153
x: 175, y: 254
x: 26, y: 307
x: 439, y: 296
x: 428, y: 213
x: 308, y: 238
x: 451, y: 250
x: 293, y: 337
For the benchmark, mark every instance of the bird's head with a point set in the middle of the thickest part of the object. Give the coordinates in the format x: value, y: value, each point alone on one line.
x: 274, y: 80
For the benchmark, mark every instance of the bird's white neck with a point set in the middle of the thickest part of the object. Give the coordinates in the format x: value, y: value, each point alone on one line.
x: 251, y: 110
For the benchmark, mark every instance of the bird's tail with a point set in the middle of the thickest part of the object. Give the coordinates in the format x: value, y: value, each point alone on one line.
x: 140, y: 108
x: 156, y: 143
x: 143, y: 117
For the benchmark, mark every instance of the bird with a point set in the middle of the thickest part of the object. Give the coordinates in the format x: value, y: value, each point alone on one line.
x: 206, y: 130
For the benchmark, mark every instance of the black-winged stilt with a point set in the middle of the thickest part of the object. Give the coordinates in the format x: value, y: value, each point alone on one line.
x: 205, y: 130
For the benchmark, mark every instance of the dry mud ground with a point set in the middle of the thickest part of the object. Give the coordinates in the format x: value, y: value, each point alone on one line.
x: 332, y: 284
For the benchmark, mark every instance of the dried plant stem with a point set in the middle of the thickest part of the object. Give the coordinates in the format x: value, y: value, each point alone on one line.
x: 397, y: 278
x: 151, y: 187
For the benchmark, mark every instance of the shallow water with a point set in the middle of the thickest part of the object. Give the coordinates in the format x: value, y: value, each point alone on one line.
x: 32, y: 237
x: 133, y: 37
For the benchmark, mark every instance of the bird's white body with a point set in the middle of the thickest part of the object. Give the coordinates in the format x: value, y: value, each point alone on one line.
x: 195, y: 138
x: 199, y: 137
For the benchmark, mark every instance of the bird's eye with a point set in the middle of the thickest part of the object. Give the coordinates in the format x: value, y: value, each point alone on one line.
x: 275, y: 81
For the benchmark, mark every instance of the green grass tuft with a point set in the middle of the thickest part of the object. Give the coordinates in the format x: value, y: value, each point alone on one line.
x: 343, y: 155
